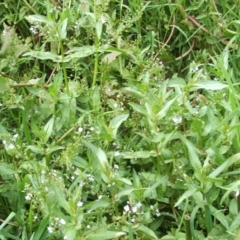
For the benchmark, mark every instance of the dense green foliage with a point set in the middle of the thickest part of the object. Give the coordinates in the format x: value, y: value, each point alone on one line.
x: 119, y: 119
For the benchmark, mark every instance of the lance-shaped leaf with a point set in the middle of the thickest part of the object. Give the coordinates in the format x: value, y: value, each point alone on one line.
x: 193, y: 156
x: 116, y: 122
x: 105, y: 168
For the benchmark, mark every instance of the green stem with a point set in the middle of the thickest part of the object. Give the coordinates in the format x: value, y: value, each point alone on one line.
x: 64, y: 67
x: 95, y: 68
x: 187, y: 228
x: 238, y: 203
x: 30, y: 7
x: 181, y: 221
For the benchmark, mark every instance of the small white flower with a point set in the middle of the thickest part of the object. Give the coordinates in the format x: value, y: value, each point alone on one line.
x: 103, y: 19
x: 15, y: 136
x: 28, y: 197
x: 62, y: 221
x: 50, y: 229
x: 126, y: 208
x: 138, y: 205
x: 177, y: 119
x: 116, y: 166
x: 90, y: 177
x: 99, y: 197
x: 65, y: 238
x: 115, y: 105
x: 80, y: 129
x: 88, y: 226
x: 195, y: 111
x: 91, y: 128
x: 158, y: 214
x: 133, y: 220
x: 11, y: 146
x: 117, y: 154
x: 79, y: 204
x: 134, y: 209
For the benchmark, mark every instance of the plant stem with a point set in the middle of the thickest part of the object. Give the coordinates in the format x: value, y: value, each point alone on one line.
x: 95, y: 69
x: 64, y: 67
x: 187, y: 227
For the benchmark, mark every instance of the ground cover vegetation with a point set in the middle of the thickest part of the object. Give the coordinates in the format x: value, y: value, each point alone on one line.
x: 119, y: 119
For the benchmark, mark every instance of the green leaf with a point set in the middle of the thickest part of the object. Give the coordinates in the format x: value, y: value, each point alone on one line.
x: 235, y: 223
x: 70, y: 233
x: 110, y: 57
x: 45, y: 56
x: 125, y: 192
x: 208, y: 85
x: 7, y: 168
x: 59, y: 196
x: 7, y: 220
x: 136, y: 180
x: 56, y: 85
x: 41, y: 228
x: 161, y: 114
x: 62, y: 29
x: 174, y: 82
x: 39, y: 18
x: 147, y: 231
x: 8, y: 236
x: 181, y: 236
x: 124, y: 180
x: 138, y: 108
x: 7, y: 38
x: 54, y: 149
x: 133, y: 92
x: 105, y: 168
x: 149, y: 190
x: 219, y: 216
x: 3, y: 131
x: 99, y: 26
x: 116, y: 122
x: 48, y: 128
x: 233, y: 187
x: 139, y: 154
x: 100, y: 203
x: 36, y: 149
x: 3, y: 84
x: 186, y: 194
x: 102, y: 235
x: 208, y: 218
x: 193, y: 157
x: 230, y: 161
x: 96, y: 98
x: 229, y: 117
x: 80, y: 52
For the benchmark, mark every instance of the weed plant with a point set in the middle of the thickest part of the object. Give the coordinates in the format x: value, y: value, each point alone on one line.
x: 119, y: 119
